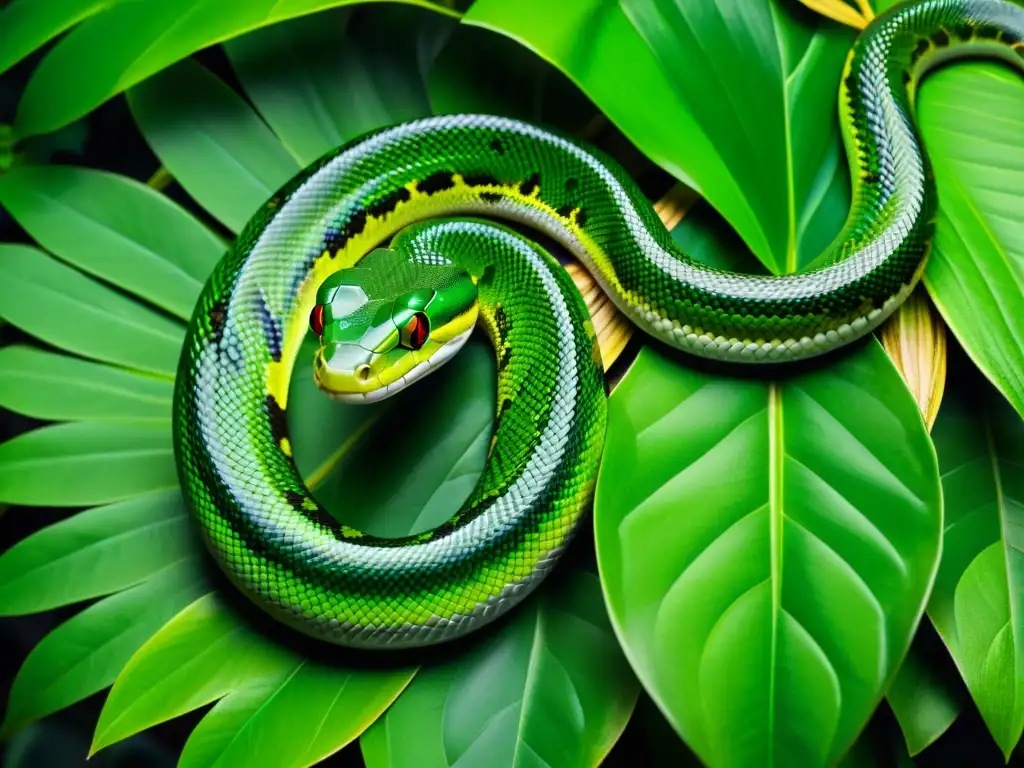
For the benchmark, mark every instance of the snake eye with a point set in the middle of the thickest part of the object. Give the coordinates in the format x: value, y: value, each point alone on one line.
x: 316, y: 320
x: 414, y: 333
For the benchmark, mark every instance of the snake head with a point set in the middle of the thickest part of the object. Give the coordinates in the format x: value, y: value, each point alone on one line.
x: 388, y: 321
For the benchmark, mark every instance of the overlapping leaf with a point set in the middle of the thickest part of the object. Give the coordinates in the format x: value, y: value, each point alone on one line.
x: 124, y: 44
x: 977, y: 601
x: 788, y: 545
x: 551, y: 689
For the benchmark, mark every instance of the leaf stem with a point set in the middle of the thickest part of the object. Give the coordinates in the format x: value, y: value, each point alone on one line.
x: 160, y: 180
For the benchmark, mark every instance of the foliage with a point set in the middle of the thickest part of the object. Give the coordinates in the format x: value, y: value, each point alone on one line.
x: 766, y: 546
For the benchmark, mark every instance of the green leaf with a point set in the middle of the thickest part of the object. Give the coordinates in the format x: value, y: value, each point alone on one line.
x: 96, y: 552
x: 63, y: 307
x: 26, y: 25
x: 276, y: 702
x: 550, y: 688
x: 85, y: 654
x: 200, y: 655
x: 976, y: 604
x: 211, y: 141
x: 926, y: 695
x: 719, y: 105
x: 296, y: 719
x: 130, y: 42
x: 481, y: 72
x: 58, y: 387
x: 972, y: 120
x: 115, y: 228
x: 86, y: 462
x: 787, y: 544
x: 321, y: 80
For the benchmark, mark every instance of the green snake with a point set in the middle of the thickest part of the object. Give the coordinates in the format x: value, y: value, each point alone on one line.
x: 385, y: 249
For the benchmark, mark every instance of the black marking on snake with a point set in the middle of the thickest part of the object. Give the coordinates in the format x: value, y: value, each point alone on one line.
x: 497, y: 146
x: 271, y: 329
x: 481, y: 180
x: 922, y: 48
x: 436, y: 182
x: 355, y: 225
x: 502, y: 325
x: 333, y: 240
x: 294, y: 500
x: 490, y: 197
x: 388, y: 203
x: 941, y: 38
x: 571, y: 185
x: 565, y: 211
x: 528, y: 186
x: 275, y: 415
x: 581, y: 218
x: 217, y: 315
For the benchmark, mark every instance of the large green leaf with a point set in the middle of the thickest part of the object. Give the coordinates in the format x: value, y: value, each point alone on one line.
x: 278, y: 707
x: 62, y: 306
x: 26, y: 24
x: 927, y: 694
x: 976, y: 604
x: 58, y: 387
x: 321, y: 80
x: 96, y: 552
x: 972, y: 120
x: 114, y: 50
x: 115, y: 228
x: 735, y: 99
x: 85, y: 654
x: 86, y: 462
x: 550, y: 689
x: 211, y: 141
x: 787, y: 544
x: 296, y: 719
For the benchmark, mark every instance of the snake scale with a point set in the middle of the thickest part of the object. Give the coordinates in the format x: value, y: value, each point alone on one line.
x: 386, y: 249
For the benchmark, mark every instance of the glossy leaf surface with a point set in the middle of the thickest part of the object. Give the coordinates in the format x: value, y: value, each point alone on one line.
x: 972, y: 119
x: 551, y: 688
x: 978, y: 601
x: 787, y: 545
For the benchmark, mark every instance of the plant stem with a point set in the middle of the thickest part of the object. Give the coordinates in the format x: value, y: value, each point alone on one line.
x: 160, y: 180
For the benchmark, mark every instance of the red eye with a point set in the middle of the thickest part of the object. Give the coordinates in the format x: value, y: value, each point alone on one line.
x: 316, y: 319
x: 414, y: 334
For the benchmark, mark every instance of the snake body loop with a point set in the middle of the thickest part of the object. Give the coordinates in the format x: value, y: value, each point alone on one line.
x: 275, y: 541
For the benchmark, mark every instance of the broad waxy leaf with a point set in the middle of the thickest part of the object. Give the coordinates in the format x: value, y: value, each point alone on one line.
x: 786, y: 545
x: 115, y: 228
x: 318, y: 82
x: 65, y: 308
x: 715, y: 96
x: 927, y: 694
x: 129, y: 42
x: 96, y: 552
x: 86, y: 462
x: 211, y: 141
x: 972, y: 120
x: 58, y: 387
x: 550, y: 689
x: 977, y: 604
x: 296, y: 719
x: 203, y: 654
x: 26, y: 24
x: 85, y: 654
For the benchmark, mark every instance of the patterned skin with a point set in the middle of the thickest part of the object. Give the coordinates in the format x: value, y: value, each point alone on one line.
x: 403, y: 310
